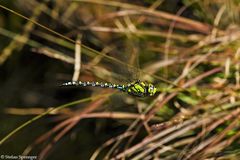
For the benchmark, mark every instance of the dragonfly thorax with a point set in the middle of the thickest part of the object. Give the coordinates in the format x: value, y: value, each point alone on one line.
x: 141, y: 89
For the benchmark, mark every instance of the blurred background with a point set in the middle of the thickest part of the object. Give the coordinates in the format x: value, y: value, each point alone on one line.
x: 189, y: 49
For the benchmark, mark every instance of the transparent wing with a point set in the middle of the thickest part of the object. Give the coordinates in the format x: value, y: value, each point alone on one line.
x: 131, y: 56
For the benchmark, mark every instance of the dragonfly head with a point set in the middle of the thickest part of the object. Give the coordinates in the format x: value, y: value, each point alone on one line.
x: 151, y: 89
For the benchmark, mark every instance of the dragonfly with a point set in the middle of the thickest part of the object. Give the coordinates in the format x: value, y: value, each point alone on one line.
x: 137, y: 88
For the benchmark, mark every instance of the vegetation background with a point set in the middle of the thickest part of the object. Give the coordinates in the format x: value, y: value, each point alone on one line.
x: 188, y: 48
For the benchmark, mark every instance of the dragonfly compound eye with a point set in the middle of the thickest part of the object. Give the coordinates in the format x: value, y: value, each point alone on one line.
x: 151, y: 89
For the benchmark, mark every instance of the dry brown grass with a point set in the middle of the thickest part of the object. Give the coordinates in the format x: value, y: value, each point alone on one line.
x: 194, y: 62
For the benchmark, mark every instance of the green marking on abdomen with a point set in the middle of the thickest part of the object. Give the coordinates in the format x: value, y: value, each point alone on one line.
x: 94, y: 84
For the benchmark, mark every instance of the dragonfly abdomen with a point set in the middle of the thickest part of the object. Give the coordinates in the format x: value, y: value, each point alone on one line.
x: 94, y: 84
